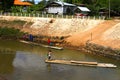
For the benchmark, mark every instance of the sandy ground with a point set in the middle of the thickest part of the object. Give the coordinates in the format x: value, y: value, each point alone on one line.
x: 106, y: 33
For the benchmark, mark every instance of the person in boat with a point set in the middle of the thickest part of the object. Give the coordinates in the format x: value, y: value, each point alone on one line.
x: 49, y: 54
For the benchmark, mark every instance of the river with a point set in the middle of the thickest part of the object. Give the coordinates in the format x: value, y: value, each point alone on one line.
x: 19, y: 61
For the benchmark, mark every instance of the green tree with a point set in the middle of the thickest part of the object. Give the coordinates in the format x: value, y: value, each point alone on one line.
x: 42, y: 4
x: 115, y: 7
x: 6, y: 4
x: 37, y: 7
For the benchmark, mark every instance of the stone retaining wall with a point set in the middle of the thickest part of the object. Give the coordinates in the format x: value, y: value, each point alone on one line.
x: 102, y: 50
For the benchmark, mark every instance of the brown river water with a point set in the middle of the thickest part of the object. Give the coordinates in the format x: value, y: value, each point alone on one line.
x: 19, y: 61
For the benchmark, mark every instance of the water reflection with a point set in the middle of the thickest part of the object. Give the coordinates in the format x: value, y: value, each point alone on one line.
x: 25, y: 62
x: 6, y: 59
x: 49, y: 68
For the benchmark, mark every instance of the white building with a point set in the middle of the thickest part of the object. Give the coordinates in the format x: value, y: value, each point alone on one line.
x: 81, y: 11
x: 59, y: 7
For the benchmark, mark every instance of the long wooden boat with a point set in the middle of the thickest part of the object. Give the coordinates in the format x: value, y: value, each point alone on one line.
x: 80, y: 63
x: 47, y: 46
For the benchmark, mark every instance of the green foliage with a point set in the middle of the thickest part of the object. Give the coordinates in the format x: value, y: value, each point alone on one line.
x: 41, y: 5
x: 10, y: 33
x: 115, y: 5
x: 93, y: 5
x: 6, y: 4
x: 34, y: 8
x: 96, y: 5
x: 16, y: 8
x: 37, y: 7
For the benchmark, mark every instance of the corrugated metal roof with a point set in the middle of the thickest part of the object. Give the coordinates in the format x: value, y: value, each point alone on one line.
x: 84, y: 9
x: 64, y: 3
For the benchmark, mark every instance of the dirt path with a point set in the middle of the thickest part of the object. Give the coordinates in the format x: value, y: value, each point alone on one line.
x: 94, y: 35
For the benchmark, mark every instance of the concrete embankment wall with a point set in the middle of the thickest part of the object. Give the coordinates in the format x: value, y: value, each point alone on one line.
x: 57, y: 26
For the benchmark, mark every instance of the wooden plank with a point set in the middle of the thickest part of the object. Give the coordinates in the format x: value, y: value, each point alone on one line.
x: 84, y: 63
x: 107, y: 65
x: 53, y: 47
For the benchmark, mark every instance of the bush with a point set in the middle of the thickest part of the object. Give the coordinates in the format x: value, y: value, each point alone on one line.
x: 10, y: 33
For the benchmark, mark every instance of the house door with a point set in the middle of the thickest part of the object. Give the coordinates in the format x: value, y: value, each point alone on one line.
x: 68, y: 11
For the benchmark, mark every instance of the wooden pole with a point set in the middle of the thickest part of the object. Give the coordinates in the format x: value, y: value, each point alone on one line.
x: 91, y: 36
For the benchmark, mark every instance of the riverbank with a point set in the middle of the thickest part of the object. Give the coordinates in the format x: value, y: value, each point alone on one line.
x: 103, y: 35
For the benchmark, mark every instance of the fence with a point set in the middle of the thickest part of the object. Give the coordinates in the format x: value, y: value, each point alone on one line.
x: 52, y: 16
